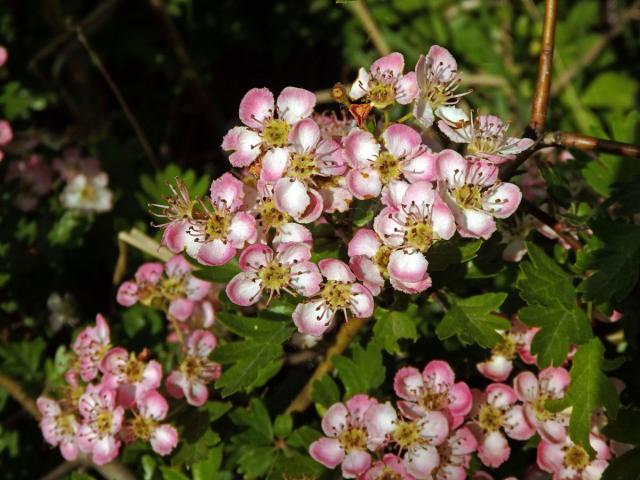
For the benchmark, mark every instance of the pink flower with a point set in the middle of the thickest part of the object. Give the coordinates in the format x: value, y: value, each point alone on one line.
x: 171, y: 287
x: 196, y: 371
x: 289, y: 269
x: 568, y: 461
x: 335, y: 193
x: 147, y: 426
x: 475, y: 197
x: 87, y: 193
x: 128, y: 375
x: 373, y: 167
x: 4, y: 55
x: 226, y: 228
x: 486, y: 136
x: 6, y: 133
x: 59, y: 428
x: 413, y: 219
x: 499, y: 366
x: 267, y: 123
x: 332, y: 127
x: 391, y: 466
x: 369, y: 259
x: 35, y: 180
x: 98, y: 435
x: 294, y: 170
x: 91, y: 345
x: 339, y: 292
x: 496, y: 411
x: 551, y: 384
x: 433, y: 390
x: 385, y: 83
x: 438, y: 79
x: 346, y: 437
x: 455, y: 455
x: 73, y: 163
x: 418, y: 438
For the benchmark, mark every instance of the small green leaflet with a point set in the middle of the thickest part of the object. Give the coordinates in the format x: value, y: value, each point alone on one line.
x: 392, y: 326
x: 553, y: 307
x: 456, y: 250
x: 472, y: 321
x: 363, y: 372
x: 325, y: 392
x: 616, y: 264
x: 219, y: 274
x: 256, y: 357
x: 589, y: 390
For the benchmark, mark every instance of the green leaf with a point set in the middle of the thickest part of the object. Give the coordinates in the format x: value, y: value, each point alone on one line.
x: 392, y: 326
x: 456, y: 250
x: 207, y: 469
x: 542, y: 280
x: 220, y: 274
x: 81, y: 476
x: 624, y: 467
x: 215, y: 410
x: 611, y: 90
x: 625, y: 427
x: 172, y: 474
x: 303, y: 437
x: 616, y: 264
x: 282, y: 426
x: 149, y: 466
x: 589, y: 389
x: 261, y: 348
x: 364, y: 372
x: 325, y: 391
x: 472, y: 321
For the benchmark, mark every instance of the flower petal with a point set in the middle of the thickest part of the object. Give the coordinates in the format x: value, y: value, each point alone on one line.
x: 256, y: 106
x: 294, y: 104
x: 244, y: 289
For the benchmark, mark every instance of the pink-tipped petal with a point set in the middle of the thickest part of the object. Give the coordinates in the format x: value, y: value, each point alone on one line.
x: 274, y: 164
x: 497, y: 368
x: 364, y: 184
x: 304, y: 136
x: 400, y: 139
x: 408, y: 265
x: 364, y: 242
x: 216, y: 252
x: 181, y: 308
x: 256, y: 106
x: 525, y: 385
x: 516, y: 425
x: 392, y: 63
x: 336, y: 270
x: 294, y: 104
x: 355, y: 463
x: 164, y: 439
x: 362, y: 303
x: 475, y: 224
x: 313, y: 318
x: 127, y: 294
x: 327, y: 451
x: 360, y: 87
x: 452, y: 167
x: 361, y: 148
x: 227, y: 191
x: 255, y: 257
x: 244, y: 289
x: 494, y: 449
x: 291, y: 196
x: 149, y: 272
x: 407, y: 89
x: 422, y: 167
x: 306, y: 278
x: 421, y: 462
x: 408, y: 383
x: 242, y: 229
x: 503, y: 201
x: 247, y: 149
x: 335, y: 420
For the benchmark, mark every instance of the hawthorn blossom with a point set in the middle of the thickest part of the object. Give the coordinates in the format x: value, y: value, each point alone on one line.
x: 267, y: 123
x: 568, y: 461
x: 391, y: 466
x: 339, y: 292
x: 294, y: 170
x: 4, y: 55
x: 369, y: 259
x: 225, y: 227
x: 404, y: 157
x: 332, y: 127
x: 474, y: 194
x: 417, y: 438
x: 170, y: 286
x: 413, y: 219
x: 62, y: 310
x: 513, y: 342
x: 438, y: 79
x: 6, y: 132
x: 486, y: 136
x: 146, y: 424
x: 551, y: 384
x: 195, y: 371
x: 289, y: 269
x: 91, y: 345
x: 59, y: 427
x: 346, y: 437
x: 432, y: 390
x: 102, y: 422
x: 496, y: 411
x: 385, y: 83
x: 455, y: 455
x: 129, y: 375
x: 73, y: 163
x: 335, y: 193
x: 87, y: 194
x: 34, y: 180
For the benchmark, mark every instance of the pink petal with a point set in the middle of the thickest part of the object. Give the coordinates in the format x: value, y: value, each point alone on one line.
x: 516, y: 425
x: 360, y: 87
x: 475, y: 224
x: 336, y: 270
x: 408, y: 266
x: 230, y: 140
x: 304, y: 136
x: 177, y: 266
x: 242, y: 229
x: 216, y: 252
x: 423, y: 112
x: 364, y: 242
x: 355, y: 463
x: 197, y: 289
x: 181, y: 308
x: 292, y: 253
x: 291, y: 196
x: 392, y: 63
x: 421, y: 167
x: 442, y: 220
x: 152, y: 405
x: 550, y: 457
x: 149, y: 272
x: 500, y: 395
x: 358, y: 405
x: 314, y: 209
x: 503, y: 201
x: 164, y: 439
x: 152, y: 376
x: 105, y: 450
x: 335, y: 420
x: 244, y: 289
x: 327, y: 451
x: 255, y: 257
x: 494, y: 449
x: 227, y: 191
x: 422, y: 461
x: 306, y: 278
x: 361, y: 148
x: 256, y: 106
x: 408, y: 383
x: 452, y: 167
x: 197, y: 393
x: 294, y: 104
x: 460, y: 399
x: 555, y: 381
x: 420, y: 194
x: 176, y: 384
x: 274, y: 164
x: 247, y: 149
x: 201, y: 343
x: 525, y: 385
x: 292, y: 232
x: 388, y: 225
x: 69, y: 451
x: 407, y: 89
x: 440, y: 60
x: 362, y: 303
x: 48, y: 407
x: 379, y: 420
x: 364, y: 184
x: 498, y: 368
x: 400, y: 139
x: 127, y: 294
x: 313, y: 318
x: 434, y: 427
x: 411, y: 287
x: 367, y: 272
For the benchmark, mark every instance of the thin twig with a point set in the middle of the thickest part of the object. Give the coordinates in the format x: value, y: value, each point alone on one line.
x: 585, y: 142
x: 347, y: 331
x: 362, y: 12
x: 550, y: 221
x: 545, y: 66
x: 95, y: 59
x: 139, y: 240
x: 14, y: 389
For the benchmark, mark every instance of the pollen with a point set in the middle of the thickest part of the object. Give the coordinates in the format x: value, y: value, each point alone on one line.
x: 276, y: 133
x: 142, y: 428
x: 468, y: 196
x: 576, y: 457
x: 173, y: 287
x: 406, y: 434
x: 388, y: 166
x: 133, y: 369
x: 337, y: 295
x: 103, y: 422
x: 353, y: 439
x: 217, y: 225
x: 418, y: 234
x: 381, y: 258
x: 506, y: 347
x: 302, y: 166
x: 490, y: 418
x: 269, y: 216
x: 274, y: 275
x: 381, y: 94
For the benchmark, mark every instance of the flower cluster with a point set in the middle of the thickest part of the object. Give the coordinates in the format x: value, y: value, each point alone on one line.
x: 298, y: 168
x: 437, y: 425
x: 84, y: 184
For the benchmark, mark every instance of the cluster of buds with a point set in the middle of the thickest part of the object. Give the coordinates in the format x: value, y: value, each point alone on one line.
x: 437, y: 424
x: 112, y: 396
x: 84, y: 185
x: 297, y: 168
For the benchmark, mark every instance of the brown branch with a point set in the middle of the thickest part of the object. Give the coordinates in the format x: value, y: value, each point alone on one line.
x: 550, y: 221
x: 587, y: 143
x: 16, y: 392
x: 362, y: 12
x: 545, y: 65
x: 347, y: 331
x: 95, y: 59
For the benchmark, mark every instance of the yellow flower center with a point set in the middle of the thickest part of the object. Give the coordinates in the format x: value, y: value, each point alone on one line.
x: 468, y: 196
x: 433, y: 400
x: 381, y: 259
x: 142, y: 427
x: 576, y: 457
x: 103, y: 422
x: 274, y: 275
x: 353, y: 439
x: 418, y: 234
x: 336, y: 294
x: 490, y: 418
x: 302, y: 166
x: 406, y: 434
x: 276, y: 133
x: 388, y: 167
x: 64, y: 424
x: 191, y: 367
x: 173, y: 287
x: 217, y: 225
x: 381, y: 94
x: 506, y: 347
x: 133, y: 369
x: 269, y: 216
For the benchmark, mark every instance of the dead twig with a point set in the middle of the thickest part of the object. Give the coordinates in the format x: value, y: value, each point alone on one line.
x: 587, y: 143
